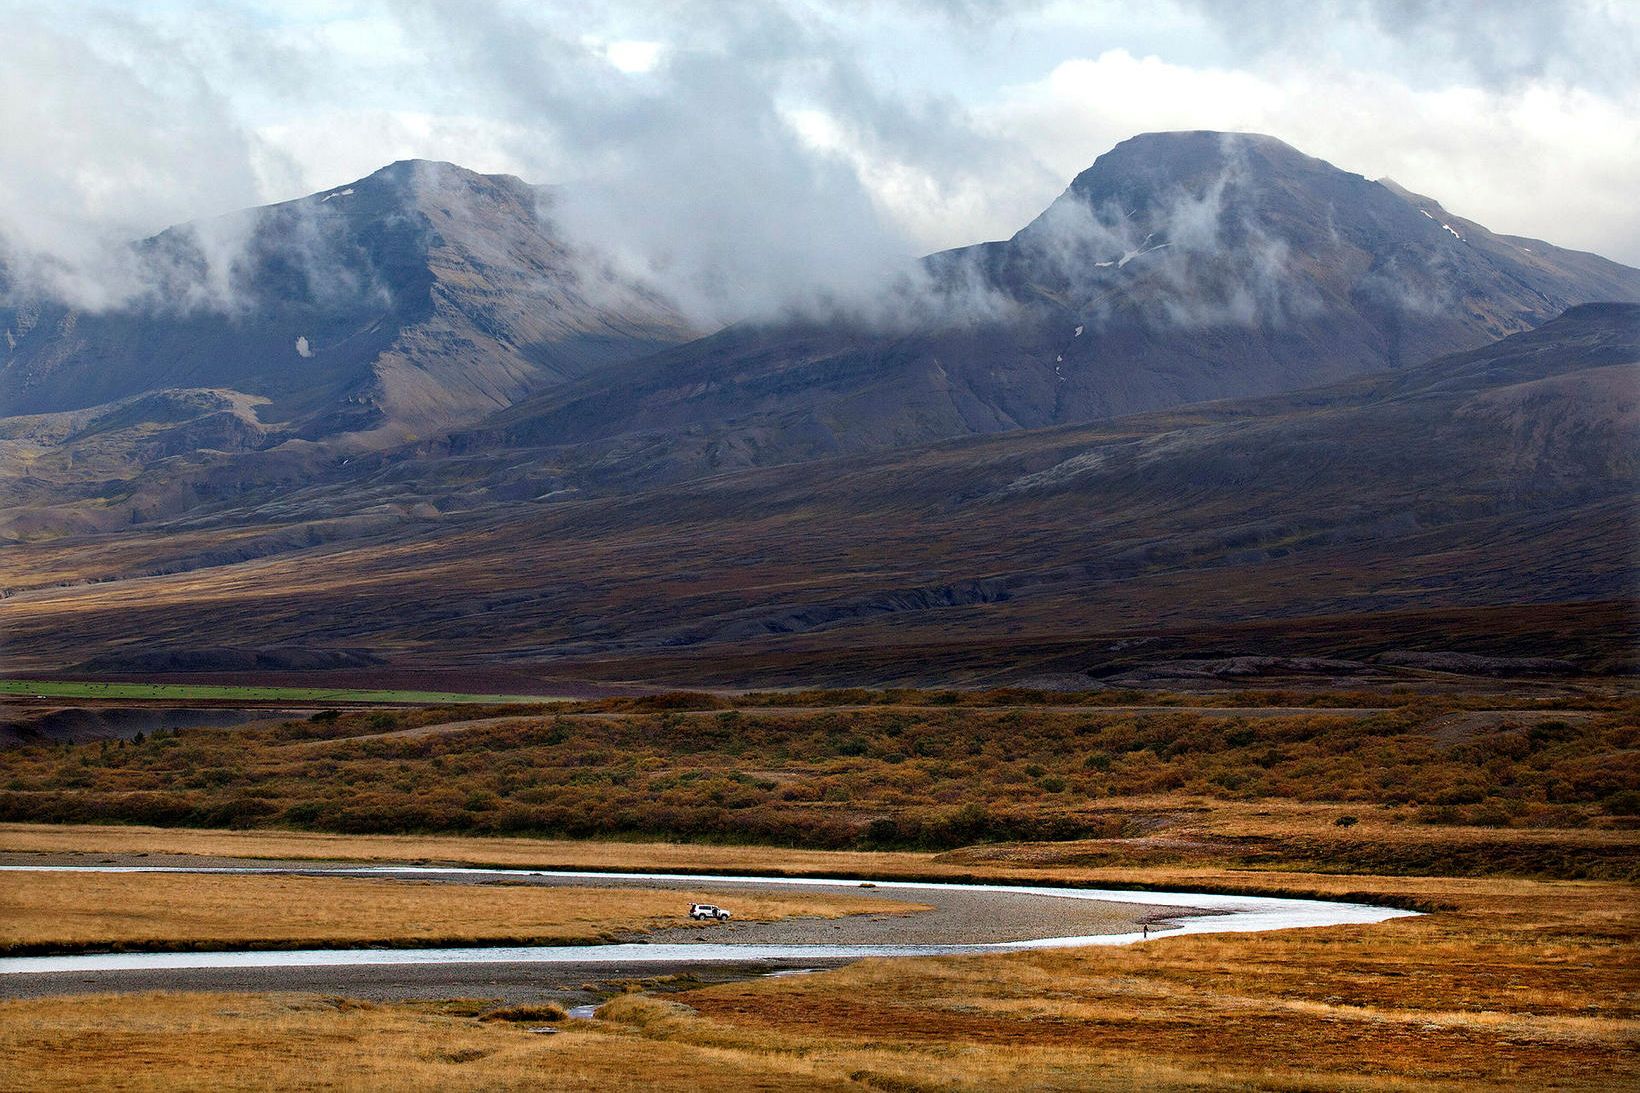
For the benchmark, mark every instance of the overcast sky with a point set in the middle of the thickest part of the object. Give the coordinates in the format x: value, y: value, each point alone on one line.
x: 754, y: 133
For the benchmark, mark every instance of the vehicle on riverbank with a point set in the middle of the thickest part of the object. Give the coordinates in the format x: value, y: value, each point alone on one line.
x: 704, y: 911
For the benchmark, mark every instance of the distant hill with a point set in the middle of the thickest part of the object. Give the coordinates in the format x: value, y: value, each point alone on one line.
x: 1219, y: 386
x: 1499, y: 476
x: 436, y: 316
x: 418, y: 298
x: 1180, y: 267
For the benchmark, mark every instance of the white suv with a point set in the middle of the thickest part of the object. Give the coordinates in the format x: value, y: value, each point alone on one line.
x: 707, y: 910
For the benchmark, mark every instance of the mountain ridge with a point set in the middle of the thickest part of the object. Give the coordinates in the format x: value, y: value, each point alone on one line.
x: 417, y: 297
x: 1502, y: 475
x: 1100, y: 328
x: 1070, y: 460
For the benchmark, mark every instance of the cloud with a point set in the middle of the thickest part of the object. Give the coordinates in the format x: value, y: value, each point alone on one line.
x: 755, y: 166
x: 752, y: 156
x: 106, y: 138
x: 633, y: 57
x: 1540, y: 159
x: 1501, y: 45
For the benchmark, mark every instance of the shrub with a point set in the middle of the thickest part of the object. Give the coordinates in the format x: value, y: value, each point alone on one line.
x: 533, y: 1013
x: 1624, y: 803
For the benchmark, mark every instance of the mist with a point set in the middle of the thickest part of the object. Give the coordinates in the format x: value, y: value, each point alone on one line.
x: 777, y: 158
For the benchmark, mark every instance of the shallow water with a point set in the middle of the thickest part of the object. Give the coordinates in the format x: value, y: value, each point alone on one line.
x: 1225, y: 914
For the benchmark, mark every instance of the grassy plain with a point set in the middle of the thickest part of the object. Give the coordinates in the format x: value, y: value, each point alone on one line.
x: 102, y: 840
x: 229, y: 1042
x: 1519, y: 985
x: 197, y: 692
x: 124, y: 912
x: 1514, y: 984
x: 1511, y: 819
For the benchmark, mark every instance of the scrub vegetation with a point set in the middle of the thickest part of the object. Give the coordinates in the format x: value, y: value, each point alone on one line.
x: 1410, y: 783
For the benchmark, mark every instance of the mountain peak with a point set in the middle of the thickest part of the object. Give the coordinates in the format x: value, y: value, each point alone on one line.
x: 411, y: 169
x: 1204, y: 138
x: 1151, y: 164
x: 422, y: 295
x: 414, y: 179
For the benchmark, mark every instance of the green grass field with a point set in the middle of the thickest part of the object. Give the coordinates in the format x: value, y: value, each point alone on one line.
x: 210, y: 692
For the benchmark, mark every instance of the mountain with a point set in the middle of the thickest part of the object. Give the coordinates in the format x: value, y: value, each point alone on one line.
x: 1220, y: 401
x: 1476, y: 506
x: 1180, y: 267
x: 418, y: 298
x: 434, y: 316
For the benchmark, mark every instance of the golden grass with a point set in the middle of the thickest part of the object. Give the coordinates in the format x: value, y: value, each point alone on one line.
x: 105, y: 840
x: 1192, y: 835
x: 1515, y: 984
x: 62, y: 912
x: 230, y: 1042
x: 1521, y: 984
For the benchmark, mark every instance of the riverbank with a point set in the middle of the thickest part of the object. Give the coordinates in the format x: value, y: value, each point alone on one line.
x: 1517, y: 984
x: 56, y: 910
x: 170, y: 914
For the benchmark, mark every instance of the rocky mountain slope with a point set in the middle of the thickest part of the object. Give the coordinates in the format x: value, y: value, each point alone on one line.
x: 420, y: 297
x: 1179, y: 267
x: 1499, y: 476
x: 392, y: 315
x: 1195, y: 393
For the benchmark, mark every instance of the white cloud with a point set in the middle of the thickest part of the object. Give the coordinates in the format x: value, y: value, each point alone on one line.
x: 105, y: 140
x: 758, y: 152
x: 1539, y: 158
x: 936, y: 205
x: 634, y: 57
x: 316, y: 151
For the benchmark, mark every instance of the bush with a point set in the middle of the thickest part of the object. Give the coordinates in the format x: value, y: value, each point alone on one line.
x: 1624, y: 803
x: 942, y: 777
x: 534, y: 1013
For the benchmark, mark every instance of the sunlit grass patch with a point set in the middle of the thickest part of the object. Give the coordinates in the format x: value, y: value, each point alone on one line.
x: 68, y: 912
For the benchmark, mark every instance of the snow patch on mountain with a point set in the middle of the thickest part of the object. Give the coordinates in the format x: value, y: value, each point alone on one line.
x: 1448, y: 227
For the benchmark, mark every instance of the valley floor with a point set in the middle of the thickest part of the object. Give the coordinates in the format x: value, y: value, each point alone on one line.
x: 1511, y: 982
x: 1507, y: 814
